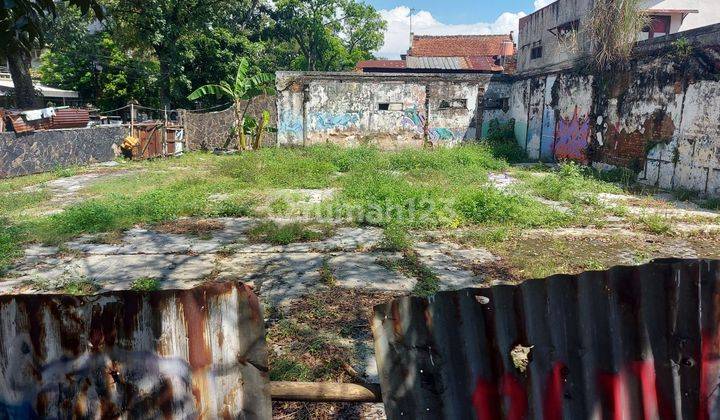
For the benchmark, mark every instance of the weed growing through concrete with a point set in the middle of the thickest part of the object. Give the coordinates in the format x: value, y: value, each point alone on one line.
x: 145, y: 284
x: 655, y: 223
x: 283, y: 234
x: 327, y: 277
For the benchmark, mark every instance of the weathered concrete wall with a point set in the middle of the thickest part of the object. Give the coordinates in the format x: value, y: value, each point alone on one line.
x: 660, y: 116
x: 534, y: 32
x: 43, y: 151
x: 179, y: 354
x: 210, y: 130
x: 390, y: 111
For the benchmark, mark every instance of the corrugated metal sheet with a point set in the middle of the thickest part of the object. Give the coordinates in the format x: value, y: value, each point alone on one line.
x: 628, y: 343
x: 436, y: 63
x: 70, y: 118
x: 165, y: 354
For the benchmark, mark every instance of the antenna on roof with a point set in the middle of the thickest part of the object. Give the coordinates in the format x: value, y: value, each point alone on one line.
x: 412, y: 10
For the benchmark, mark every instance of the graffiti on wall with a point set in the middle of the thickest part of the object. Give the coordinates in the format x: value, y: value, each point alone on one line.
x: 331, y: 121
x: 414, y: 121
x: 290, y: 124
x: 572, y: 138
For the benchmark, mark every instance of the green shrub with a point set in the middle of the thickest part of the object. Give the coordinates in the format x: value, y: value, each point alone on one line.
x: 501, y: 140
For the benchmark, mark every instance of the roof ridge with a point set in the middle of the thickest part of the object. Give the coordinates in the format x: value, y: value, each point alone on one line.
x: 462, y: 36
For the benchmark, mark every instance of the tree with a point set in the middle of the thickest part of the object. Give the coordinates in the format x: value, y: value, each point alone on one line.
x: 169, y: 29
x: 329, y: 34
x: 91, y: 62
x: 244, y: 88
x: 22, y: 29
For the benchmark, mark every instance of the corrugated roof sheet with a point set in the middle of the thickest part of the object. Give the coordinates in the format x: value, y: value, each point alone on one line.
x: 627, y: 343
x: 436, y: 63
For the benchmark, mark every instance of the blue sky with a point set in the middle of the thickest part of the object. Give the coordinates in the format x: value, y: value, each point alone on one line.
x: 449, y: 17
x: 460, y: 11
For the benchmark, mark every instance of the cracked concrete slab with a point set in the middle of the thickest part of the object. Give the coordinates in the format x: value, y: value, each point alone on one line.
x: 452, y: 263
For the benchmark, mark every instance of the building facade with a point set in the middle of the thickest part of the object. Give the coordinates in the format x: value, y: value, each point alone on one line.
x: 543, y: 39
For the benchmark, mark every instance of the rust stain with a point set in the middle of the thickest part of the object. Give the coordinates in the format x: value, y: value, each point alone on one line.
x: 194, y: 306
x: 255, y: 313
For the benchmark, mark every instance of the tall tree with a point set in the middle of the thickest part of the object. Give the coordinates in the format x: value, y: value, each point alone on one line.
x: 329, y: 34
x: 168, y: 28
x: 21, y: 30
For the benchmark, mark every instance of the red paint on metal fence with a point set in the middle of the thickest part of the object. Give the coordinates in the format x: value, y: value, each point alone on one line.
x: 627, y: 343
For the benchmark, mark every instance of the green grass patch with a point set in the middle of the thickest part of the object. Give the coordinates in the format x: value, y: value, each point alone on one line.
x: 145, y: 284
x: 283, y: 234
x: 571, y: 183
x: 655, y: 223
x: 428, y: 282
x: 395, y: 238
x: 711, y: 204
x: 286, y: 369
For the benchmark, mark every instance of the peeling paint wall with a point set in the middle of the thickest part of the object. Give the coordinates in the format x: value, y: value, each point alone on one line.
x: 197, y: 353
x: 660, y: 116
x: 390, y: 111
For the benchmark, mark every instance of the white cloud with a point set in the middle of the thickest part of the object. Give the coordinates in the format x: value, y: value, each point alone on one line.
x: 539, y: 4
x: 397, y: 35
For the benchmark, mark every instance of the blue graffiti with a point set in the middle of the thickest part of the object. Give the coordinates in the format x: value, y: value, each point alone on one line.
x: 413, y: 120
x: 328, y: 121
x: 289, y: 124
x: 441, y: 134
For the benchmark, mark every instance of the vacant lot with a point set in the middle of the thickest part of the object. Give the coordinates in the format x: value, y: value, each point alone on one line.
x: 343, y: 228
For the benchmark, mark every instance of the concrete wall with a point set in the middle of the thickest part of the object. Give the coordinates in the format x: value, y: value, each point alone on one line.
x: 345, y: 108
x: 660, y: 116
x: 41, y: 151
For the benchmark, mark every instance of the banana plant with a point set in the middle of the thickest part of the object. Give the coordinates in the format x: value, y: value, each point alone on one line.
x: 244, y: 88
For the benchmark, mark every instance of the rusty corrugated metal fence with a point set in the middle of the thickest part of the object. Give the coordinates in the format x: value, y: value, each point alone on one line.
x: 627, y: 343
x: 164, y: 354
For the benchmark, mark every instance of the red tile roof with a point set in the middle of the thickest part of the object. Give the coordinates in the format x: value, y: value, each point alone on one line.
x: 380, y: 64
x: 460, y: 46
x: 482, y: 63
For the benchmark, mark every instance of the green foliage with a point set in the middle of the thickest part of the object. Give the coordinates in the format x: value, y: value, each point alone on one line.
x: 395, y: 238
x: 572, y: 183
x: 501, y: 139
x: 10, y: 239
x: 285, y: 369
x: 95, y: 65
x: 682, y: 49
x: 711, y: 204
x: 245, y: 87
x: 79, y: 286
x: 655, y: 223
x: 329, y: 35
x: 145, y: 284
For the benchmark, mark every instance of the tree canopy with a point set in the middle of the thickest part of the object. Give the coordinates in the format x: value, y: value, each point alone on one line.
x: 159, y: 51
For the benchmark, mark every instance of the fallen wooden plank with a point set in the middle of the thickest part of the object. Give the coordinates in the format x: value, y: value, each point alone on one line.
x: 324, y: 392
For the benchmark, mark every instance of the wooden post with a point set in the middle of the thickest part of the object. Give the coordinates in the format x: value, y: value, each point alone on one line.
x: 324, y: 392
x: 164, y: 133
x: 132, y: 118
